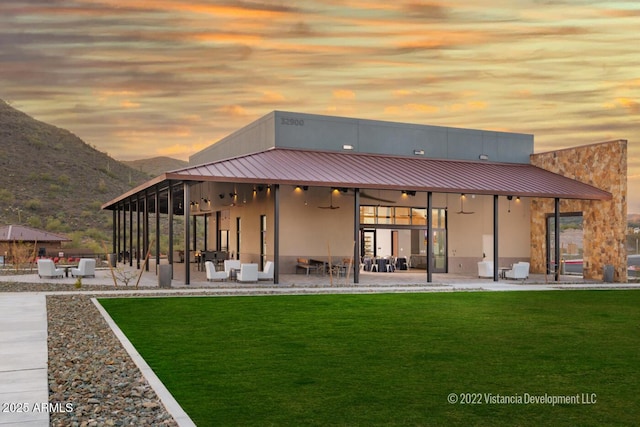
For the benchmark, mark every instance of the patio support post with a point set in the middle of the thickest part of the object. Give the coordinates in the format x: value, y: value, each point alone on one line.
x: 187, y: 226
x: 157, y: 206
x: 138, y: 231
x: 130, y: 231
x: 114, y: 235
x: 124, y: 231
x: 496, y: 270
x: 170, y: 214
x: 195, y: 231
x: 356, y: 235
x: 429, y: 237
x: 146, y: 228
x: 276, y: 234
x: 557, y: 237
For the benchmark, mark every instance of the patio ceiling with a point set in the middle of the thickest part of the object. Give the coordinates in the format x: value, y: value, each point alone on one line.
x: 375, y: 171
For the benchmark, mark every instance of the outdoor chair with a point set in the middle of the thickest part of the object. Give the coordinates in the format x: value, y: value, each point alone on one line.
x: 519, y: 270
x: 86, y: 268
x: 212, y: 274
x: 485, y: 269
x: 46, y: 268
x: 267, y: 274
x: 231, y: 264
x: 248, y: 273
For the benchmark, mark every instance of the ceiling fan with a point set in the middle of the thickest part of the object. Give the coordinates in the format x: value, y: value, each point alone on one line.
x: 331, y: 204
x: 462, y: 211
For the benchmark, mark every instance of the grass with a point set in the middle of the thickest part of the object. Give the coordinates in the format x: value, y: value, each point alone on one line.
x: 393, y: 359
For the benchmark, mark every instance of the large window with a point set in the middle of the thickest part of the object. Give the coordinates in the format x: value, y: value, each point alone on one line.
x: 571, y: 242
x: 396, y: 215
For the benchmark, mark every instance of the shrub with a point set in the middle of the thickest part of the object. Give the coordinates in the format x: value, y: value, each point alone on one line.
x: 6, y: 196
x: 33, y: 204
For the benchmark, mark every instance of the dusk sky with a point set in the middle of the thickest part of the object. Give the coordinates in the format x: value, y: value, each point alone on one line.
x: 146, y: 78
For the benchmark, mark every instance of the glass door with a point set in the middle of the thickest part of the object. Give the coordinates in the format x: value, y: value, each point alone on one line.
x: 440, y: 251
x: 439, y: 227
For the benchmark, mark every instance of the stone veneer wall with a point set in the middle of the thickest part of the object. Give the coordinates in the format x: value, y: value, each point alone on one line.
x: 604, y: 166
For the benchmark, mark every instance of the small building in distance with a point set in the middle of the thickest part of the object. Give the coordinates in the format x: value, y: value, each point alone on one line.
x: 30, y: 241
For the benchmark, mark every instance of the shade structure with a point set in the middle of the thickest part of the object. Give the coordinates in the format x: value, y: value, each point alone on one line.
x: 375, y: 171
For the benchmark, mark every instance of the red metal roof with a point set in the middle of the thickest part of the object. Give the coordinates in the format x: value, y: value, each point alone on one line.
x: 359, y: 170
x: 21, y: 233
x: 368, y: 171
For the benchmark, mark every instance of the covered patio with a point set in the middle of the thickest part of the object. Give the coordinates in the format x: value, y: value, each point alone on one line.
x: 265, y: 183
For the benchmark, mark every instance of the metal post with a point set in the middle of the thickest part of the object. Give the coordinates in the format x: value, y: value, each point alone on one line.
x: 429, y: 237
x: 124, y: 231
x: 157, y: 207
x: 557, y: 238
x: 146, y: 228
x: 170, y: 214
x: 114, y: 227
x: 276, y: 234
x: 138, y: 251
x: 130, y: 231
x: 206, y: 236
x: 356, y: 235
x: 187, y: 226
x: 495, y: 239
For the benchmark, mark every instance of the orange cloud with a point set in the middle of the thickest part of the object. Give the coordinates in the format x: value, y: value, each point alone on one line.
x: 194, y: 7
x: 182, y: 151
x: 344, y: 94
x: 232, y: 110
x: 129, y: 104
x: 629, y: 104
x: 468, y: 106
x: 271, y: 96
x: 413, y: 107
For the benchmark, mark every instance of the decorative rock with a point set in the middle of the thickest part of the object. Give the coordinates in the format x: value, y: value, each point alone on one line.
x: 89, y: 368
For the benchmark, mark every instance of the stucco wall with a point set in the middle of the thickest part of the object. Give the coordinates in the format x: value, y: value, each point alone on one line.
x: 309, y: 232
x: 604, y: 166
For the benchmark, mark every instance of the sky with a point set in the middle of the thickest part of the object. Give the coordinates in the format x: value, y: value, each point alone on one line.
x: 145, y: 78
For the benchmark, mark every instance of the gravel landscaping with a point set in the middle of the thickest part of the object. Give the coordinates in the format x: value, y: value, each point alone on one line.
x: 89, y: 368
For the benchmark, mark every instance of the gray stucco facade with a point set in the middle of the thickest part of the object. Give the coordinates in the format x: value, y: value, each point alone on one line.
x: 329, y: 133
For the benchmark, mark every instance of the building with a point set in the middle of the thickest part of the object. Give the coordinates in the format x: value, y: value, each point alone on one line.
x: 293, y: 185
x: 30, y: 242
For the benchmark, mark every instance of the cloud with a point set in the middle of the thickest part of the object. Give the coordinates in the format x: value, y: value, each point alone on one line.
x: 411, y: 108
x: 632, y: 106
x: 232, y: 110
x: 141, y: 76
x: 182, y: 151
x: 344, y: 94
x: 467, y: 106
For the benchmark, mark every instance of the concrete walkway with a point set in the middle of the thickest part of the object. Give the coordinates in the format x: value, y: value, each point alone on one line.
x: 24, y: 384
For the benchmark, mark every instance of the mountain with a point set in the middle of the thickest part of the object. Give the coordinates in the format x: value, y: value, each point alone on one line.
x: 156, y: 165
x: 53, y: 180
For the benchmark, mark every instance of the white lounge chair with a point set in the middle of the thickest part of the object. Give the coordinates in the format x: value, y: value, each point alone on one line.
x: 248, y: 273
x: 86, y: 268
x: 46, y: 268
x: 519, y: 270
x: 485, y: 269
x: 231, y: 264
x: 267, y: 274
x: 212, y: 274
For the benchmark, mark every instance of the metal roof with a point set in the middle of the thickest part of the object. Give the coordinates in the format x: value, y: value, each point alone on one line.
x: 368, y: 171
x: 22, y: 233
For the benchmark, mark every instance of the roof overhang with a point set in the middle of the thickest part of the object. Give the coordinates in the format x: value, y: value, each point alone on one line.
x: 375, y: 171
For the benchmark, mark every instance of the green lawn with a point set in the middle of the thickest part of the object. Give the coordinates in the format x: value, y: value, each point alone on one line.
x: 393, y: 359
